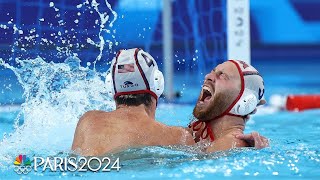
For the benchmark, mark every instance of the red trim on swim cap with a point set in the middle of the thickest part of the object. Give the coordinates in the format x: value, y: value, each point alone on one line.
x: 137, y: 92
x: 247, y: 73
x: 240, y: 94
x: 140, y: 69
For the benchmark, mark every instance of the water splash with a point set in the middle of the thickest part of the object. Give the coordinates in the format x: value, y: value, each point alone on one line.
x: 67, y: 37
x: 104, y: 17
x: 56, y: 94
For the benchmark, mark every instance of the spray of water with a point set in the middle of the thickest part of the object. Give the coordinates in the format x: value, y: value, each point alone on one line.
x: 56, y: 94
x: 104, y: 17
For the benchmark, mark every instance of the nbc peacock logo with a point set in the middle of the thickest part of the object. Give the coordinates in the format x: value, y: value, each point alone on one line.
x: 22, y: 164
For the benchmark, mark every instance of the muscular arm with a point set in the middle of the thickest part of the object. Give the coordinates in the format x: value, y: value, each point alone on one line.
x: 180, y: 136
x: 254, y: 139
x: 188, y: 137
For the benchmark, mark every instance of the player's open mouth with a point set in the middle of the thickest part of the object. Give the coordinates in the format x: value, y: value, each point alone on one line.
x: 206, y: 94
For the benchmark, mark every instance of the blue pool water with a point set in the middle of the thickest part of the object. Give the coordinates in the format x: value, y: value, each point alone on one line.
x: 42, y: 100
x: 45, y: 128
x: 294, y: 152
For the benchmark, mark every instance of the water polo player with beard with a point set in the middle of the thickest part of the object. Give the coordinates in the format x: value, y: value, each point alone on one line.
x: 230, y: 92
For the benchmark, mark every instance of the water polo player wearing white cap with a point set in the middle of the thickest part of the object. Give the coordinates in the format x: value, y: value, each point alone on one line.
x: 136, y: 84
x: 230, y: 92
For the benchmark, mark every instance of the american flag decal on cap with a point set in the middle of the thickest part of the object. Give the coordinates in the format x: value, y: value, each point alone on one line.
x: 125, y: 68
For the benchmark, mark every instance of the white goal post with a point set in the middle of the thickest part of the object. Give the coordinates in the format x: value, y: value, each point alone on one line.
x: 238, y: 30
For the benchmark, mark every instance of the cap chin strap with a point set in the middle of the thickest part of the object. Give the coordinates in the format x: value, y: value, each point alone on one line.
x: 207, y: 131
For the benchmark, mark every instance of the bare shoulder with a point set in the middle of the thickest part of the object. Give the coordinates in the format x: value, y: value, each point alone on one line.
x: 226, y: 142
x: 86, y: 124
x: 91, y: 116
x: 180, y: 134
x: 89, y: 121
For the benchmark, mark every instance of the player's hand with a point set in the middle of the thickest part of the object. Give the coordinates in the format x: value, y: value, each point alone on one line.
x: 254, y: 139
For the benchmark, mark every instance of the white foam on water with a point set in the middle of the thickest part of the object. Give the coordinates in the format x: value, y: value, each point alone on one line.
x: 56, y: 94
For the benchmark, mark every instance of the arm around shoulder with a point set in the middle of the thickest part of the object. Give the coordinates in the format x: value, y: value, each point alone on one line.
x: 187, y: 137
x: 226, y: 143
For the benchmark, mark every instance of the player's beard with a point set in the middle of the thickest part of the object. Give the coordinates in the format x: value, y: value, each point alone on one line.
x: 215, y: 107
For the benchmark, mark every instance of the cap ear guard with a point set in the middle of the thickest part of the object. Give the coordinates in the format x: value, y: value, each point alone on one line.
x: 246, y: 104
x: 158, y: 82
x: 109, y: 80
x: 109, y: 84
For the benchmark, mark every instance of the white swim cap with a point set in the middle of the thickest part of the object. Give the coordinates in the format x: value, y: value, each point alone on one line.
x: 134, y: 71
x: 252, y: 90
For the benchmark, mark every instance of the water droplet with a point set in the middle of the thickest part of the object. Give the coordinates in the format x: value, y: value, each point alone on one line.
x: 79, y: 6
